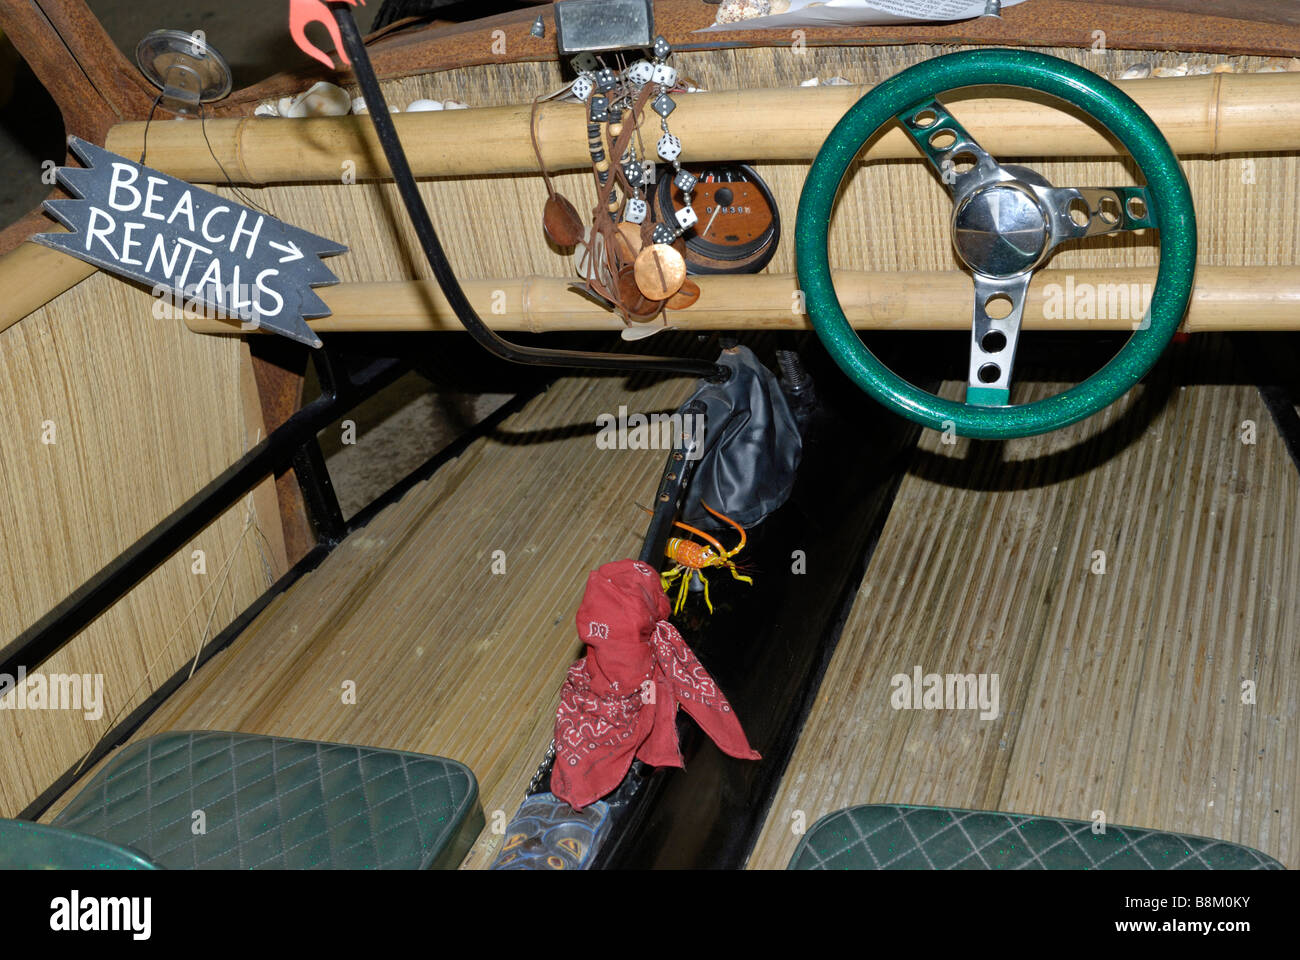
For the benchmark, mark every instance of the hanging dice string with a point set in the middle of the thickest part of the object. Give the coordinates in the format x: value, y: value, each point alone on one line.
x: 660, y: 268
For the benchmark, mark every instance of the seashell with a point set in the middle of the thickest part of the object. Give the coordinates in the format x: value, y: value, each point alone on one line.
x: 734, y: 11
x: 632, y: 334
x: 323, y: 99
x: 1224, y: 68
x: 1138, y: 71
x: 836, y: 82
x: 810, y: 82
x: 1293, y: 65
x: 359, y: 107
x: 266, y: 110
x: 1199, y: 69
x: 282, y: 106
x: 423, y: 106
x: 1178, y: 71
x: 454, y: 105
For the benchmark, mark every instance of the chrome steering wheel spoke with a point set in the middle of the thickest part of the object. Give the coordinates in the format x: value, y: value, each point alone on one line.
x: 993, y: 341
x: 961, y: 163
x: 1006, y: 221
x: 1078, y: 212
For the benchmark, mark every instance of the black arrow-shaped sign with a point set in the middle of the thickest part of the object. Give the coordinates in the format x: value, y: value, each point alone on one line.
x: 192, y: 246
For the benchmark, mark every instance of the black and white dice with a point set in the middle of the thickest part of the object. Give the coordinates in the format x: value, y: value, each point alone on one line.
x: 582, y: 87
x: 669, y: 147
x: 663, y: 105
x: 640, y: 72
x: 635, y: 211
x: 633, y: 171
x: 606, y: 80
x: 664, y: 74
x: 686, y: 217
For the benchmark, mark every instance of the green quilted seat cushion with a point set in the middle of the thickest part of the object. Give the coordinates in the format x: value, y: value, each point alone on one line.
x: 273, y: 803
x: 888, y: 837
x: 25, y: 845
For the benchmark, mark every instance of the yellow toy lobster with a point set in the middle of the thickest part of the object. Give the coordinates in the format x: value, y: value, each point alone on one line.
x: 693, y: 558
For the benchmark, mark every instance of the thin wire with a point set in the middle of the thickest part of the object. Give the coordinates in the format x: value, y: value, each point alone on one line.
x: 203, y: 125
x: 144, y: 146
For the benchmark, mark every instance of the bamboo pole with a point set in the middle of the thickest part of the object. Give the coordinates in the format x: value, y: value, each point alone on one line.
x: 1201, y: 116
x: 1224, y: 298
x: 31, y: 276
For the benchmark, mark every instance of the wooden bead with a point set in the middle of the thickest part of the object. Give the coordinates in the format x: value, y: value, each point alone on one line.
x: 615, y: 129
x: 602, y: 165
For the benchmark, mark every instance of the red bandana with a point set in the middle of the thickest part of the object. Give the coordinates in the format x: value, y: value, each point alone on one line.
x: 620, y: 701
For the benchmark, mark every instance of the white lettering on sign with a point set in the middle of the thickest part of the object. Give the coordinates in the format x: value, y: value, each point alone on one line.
x: 145, y: 225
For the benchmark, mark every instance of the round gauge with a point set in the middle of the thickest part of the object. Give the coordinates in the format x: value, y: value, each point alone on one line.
x: 738, y: 226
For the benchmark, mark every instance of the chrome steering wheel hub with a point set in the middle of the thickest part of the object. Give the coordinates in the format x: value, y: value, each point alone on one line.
x: 1001, y: 229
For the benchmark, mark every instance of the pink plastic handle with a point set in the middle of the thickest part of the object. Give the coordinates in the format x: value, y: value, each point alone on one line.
x: 303, y: 12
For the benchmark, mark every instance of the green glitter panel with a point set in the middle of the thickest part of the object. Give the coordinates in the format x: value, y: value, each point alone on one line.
x: 893, y: 837
x: 1170, y: 209
x: 35, y: 846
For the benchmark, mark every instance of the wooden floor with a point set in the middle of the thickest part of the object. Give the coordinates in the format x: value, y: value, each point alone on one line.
x: 446, y: 657
x: 1120, y: 692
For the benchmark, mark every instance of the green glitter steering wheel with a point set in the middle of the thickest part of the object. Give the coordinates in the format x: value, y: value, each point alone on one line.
x: 1006, y: 222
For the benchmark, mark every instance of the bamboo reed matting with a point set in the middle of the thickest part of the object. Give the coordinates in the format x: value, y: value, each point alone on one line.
x: 891, y: 215
x: 447, y: 658
x: 1119, y: 692
x: 143, y: 414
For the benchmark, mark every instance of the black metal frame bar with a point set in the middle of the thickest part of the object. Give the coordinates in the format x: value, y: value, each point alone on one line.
x: 291, y: 443
x: 120, y: 733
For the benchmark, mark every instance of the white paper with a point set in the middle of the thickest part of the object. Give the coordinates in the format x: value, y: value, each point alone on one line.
x: 832, y: 13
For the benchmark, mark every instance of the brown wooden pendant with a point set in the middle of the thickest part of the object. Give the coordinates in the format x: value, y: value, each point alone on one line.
x: 561, y: 222
x: 636, y: 303
x: 683, y: 298
x: 660, y: 271
x: 631, y: 234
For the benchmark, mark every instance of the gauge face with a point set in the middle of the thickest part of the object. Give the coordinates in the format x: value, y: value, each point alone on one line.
x: 738, y: 225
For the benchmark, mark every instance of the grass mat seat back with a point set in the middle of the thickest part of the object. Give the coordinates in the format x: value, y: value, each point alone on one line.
x: 212, y: 800
x: 895, y: 837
